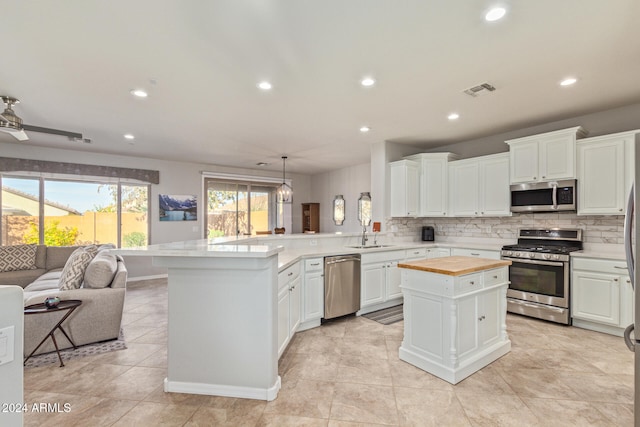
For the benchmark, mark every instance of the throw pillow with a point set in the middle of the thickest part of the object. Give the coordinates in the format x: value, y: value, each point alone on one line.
x: 74, y: 268
x: 100, y: 271
x: 18, y: 257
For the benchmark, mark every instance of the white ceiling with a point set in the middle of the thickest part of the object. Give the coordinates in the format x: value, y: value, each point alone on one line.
x: 72, y: 64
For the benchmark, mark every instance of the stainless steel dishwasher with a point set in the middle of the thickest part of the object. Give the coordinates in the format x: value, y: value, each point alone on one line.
x: 341, y: 285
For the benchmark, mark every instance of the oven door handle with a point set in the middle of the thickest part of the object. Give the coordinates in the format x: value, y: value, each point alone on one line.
x: 554, y: 196
x: 525, y: 261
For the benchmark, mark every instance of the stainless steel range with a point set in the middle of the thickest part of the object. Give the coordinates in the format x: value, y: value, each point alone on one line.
x: 540, y: 272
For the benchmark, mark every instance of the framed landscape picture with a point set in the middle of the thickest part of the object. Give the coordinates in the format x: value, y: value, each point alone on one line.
x: 178, y: 207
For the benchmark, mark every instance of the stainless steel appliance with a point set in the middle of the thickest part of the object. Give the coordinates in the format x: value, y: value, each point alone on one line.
x: 631, y: 236
x: 540, y: 271
x: 544, y: 196
x: 341, y: 285
x: 428, y: 233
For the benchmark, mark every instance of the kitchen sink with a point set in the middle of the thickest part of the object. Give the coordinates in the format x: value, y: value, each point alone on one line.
x: 368, y: 246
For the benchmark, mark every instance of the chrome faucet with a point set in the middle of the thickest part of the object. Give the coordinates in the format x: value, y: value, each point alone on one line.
x: 364, y: 235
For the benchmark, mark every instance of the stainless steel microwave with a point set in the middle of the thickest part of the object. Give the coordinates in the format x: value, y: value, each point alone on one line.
x: 548, y: 196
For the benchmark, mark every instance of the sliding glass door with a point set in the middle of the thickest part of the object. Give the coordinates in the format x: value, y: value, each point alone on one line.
x: 238, y: 208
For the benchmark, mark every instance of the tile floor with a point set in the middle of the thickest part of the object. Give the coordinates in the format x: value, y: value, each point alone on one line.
x: 347, y: 373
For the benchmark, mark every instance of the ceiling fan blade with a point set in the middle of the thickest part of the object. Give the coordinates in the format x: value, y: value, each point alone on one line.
x: 20, y: 135
x: 70, y: 135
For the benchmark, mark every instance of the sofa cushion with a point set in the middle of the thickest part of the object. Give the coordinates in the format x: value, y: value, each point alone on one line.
x: 51, y: 283
x: 18, y: 257
x: 57, y: 256
x: 74, y: 268
x: 21, y: 278
x: 41, y: 256
x: 100, y: 270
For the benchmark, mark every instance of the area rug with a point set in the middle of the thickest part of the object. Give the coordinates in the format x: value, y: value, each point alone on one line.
x: 81, y: 351
x: 386, y: 316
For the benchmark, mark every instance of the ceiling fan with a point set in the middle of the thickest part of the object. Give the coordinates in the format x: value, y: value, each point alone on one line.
x: 12, y: 124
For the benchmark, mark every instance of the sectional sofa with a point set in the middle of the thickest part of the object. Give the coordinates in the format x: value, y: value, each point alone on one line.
x: 97, y: 319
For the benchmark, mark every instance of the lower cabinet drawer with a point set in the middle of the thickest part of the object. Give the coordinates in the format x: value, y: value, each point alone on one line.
x: 496, y: 276
x: 468, y: 283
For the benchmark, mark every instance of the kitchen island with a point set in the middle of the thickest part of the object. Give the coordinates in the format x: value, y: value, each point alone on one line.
x: 454, y: 314
x: 222, y: 317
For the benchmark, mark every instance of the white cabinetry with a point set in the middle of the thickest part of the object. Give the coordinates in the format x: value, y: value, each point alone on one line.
x: 480, y: 253
x: 434, y: 177
x: 454, y: 325
x: 380, y: 281
x: 405, y: 177
x: 288, y: 305
x: 480, y: 186
x: 545, y: 157
x: 601, y: 295
x: 312, y: 293
x: 605, y: 173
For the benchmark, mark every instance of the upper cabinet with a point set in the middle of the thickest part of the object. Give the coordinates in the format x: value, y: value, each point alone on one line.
x: 605, y: 173
x: 434, y: 177
x: 405, y: 177
x: 545, y: 157
x: 480, y: 186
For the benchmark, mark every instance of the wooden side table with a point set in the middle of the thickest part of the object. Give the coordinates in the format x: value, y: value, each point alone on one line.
x: 69, y: 306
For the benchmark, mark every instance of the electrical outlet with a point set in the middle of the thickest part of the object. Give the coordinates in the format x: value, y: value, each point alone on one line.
x: 313, y: 242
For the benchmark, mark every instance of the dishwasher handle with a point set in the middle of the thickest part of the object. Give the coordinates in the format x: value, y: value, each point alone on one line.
x: 340, y: 260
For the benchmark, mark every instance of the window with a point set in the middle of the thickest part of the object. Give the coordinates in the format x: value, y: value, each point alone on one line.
x: 59, y: 212
x: 239, y: 208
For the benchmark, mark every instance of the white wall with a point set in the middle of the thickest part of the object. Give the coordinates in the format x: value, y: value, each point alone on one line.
x: 11, y: 391
x: 350, y: 182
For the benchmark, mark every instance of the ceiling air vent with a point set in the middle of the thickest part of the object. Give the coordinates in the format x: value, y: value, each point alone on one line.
x: 479, y: 89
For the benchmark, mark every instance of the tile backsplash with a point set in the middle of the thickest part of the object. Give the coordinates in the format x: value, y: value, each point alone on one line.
x: 596, y: 229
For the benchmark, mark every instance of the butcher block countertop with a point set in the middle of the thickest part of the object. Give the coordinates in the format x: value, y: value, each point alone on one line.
x: 454, y: 265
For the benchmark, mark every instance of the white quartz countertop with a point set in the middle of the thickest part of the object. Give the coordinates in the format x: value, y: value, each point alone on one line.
x: 202, y: 248
x: 266, y: 246
x: 608, y: 251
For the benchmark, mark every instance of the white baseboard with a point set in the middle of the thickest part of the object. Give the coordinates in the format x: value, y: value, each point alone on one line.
x: 268, y: 394
x: 141, y: 278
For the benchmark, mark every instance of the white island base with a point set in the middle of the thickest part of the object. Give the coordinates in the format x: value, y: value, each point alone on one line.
x: 454, y: 325
x: 223, y: 313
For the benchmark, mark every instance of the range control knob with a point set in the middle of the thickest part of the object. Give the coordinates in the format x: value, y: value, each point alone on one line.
x: 531, y: 255
x: 517, y: 254
x: 508, y: 253
x: 546, y: 256
x: 556, y: 257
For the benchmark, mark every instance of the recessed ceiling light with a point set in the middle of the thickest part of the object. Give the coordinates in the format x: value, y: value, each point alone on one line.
x: 495, y: 13
x: 264, y: 85
x: 140, y: 93
x: 367, y: 81
x: 568, y: 81
x: 365, y: 129
x: 453, y: 116
x: 129, y: 136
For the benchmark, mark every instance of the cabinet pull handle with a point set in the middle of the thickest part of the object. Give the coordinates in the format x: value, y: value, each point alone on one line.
x: 290, y: 274
x: 314, y: 264
x: 481, y: 318
x: 620, y: 268
x: 475, y: 254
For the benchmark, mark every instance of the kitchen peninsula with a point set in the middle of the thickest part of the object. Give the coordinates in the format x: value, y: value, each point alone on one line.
x: 222, y: 317
x: 454, y: 314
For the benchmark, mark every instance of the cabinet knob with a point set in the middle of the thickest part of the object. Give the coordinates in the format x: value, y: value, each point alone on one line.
x: 476, y: 213
x: 615, y: 280
x: 535, y: 177
x: 290, y: 274
x: 472, y: 282
x: 495, y: 277
x: 628, y: 281
x: 543, y: 177
x: 444, y: 213
x: 620, y: 210
x: 481, y: 318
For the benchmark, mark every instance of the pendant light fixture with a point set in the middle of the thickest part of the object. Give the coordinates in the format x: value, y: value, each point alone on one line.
x: 284, y: 192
